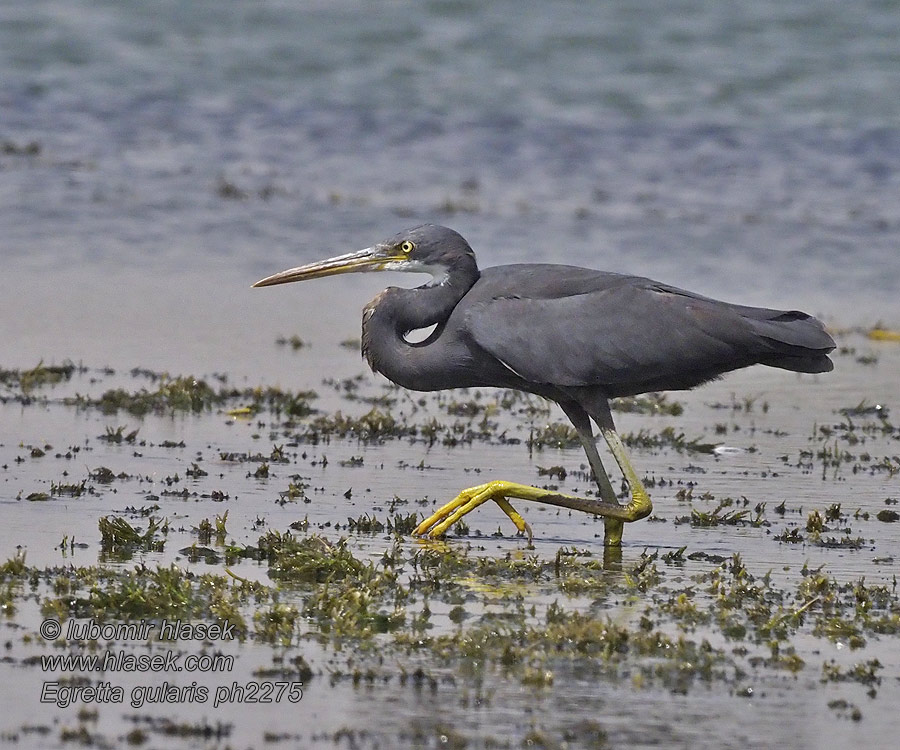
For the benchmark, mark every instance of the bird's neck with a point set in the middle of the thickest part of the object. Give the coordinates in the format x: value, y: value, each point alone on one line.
x: 396, y: 311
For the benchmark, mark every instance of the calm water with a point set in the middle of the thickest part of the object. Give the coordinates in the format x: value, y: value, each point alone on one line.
x: 185, y: 150
x: 157, y: 158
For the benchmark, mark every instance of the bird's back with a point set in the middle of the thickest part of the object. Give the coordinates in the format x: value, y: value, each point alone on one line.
x: 544, y: 281
x: 571, y: 326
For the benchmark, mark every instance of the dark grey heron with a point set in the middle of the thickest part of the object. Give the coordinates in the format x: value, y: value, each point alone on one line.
x: 576, y: 336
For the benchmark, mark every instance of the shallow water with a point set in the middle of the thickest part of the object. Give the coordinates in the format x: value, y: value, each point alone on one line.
x: 765, y: 418
x: 750, y: 155
x: 154, y: 164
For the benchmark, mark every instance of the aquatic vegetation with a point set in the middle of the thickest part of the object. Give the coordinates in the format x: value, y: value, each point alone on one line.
x: 649, y: 404
x: 555, y: 435
x: 294, y: 341
x: 347, y: 597
x: 118, y: 594
x: 309, y: 558
x: 118, y: 435
x: 882, y: 334
x: 175, y: 394
x: 719, y: 516
x: 120, y: 539
x: 374, y: 425
x: 666, y: 438
x: 365, y: 524
x: 276, y: 623
x: 383, y: 613
x: 208, y: 529
x: 72, y: 489
x: 194, y: 395
x: 790, y: 535
x: 39, y: 376
x: 553, y: 471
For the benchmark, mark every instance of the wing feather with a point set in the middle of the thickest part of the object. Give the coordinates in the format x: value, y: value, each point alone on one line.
x: 625, y: 336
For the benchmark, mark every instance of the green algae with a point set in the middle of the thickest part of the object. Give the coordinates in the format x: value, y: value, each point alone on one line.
x: 719, y: 516
x: 121, y: 595
x: 525, y: 617
x: 555, y: 435
x: 460, y: 619
x: 189, y: 394
x: 374, y: 425
x: 175, y: 394
x: 120, y: 540
x: 648, y: 404
x: 39, y: 376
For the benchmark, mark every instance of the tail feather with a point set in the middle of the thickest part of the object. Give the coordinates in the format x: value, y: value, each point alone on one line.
x: 798, y: 341
x: 820, y: 363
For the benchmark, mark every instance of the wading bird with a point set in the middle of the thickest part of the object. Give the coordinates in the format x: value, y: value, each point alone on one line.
x: 572, y: 335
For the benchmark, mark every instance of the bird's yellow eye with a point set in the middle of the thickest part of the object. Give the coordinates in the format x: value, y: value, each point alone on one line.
x: 407, y: 247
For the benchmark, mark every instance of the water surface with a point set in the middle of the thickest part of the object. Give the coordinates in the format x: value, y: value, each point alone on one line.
x: 155, y: 161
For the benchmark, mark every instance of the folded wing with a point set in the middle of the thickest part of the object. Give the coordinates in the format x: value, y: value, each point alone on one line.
x: 633, y: 335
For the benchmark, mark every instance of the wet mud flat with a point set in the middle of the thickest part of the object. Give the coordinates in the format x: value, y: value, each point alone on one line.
x: 188, y: 561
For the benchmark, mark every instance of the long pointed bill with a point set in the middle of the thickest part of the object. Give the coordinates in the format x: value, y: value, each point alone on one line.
x: 376, y: 258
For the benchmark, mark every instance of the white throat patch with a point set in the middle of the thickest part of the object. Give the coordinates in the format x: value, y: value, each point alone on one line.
x: 439, y: 274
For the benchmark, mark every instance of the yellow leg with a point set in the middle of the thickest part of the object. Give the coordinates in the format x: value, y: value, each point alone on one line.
x: 615, y: 516
x: 640, y: 500
x: 499, y: 490
x: 613, y: 529
x: 640, y: 505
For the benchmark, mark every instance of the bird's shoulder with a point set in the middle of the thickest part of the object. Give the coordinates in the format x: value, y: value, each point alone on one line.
x: 546, y: 281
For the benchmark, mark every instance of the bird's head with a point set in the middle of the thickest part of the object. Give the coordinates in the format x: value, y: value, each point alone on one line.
x: 425, y: 249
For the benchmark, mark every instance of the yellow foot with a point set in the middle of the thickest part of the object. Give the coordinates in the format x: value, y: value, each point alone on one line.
x: 468, y: 500
x: 498, y: 490
x: 521, y: 523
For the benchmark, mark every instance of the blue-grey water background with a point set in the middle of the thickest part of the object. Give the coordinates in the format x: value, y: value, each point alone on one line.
x: 156, y: 158
x: 159, y: 157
